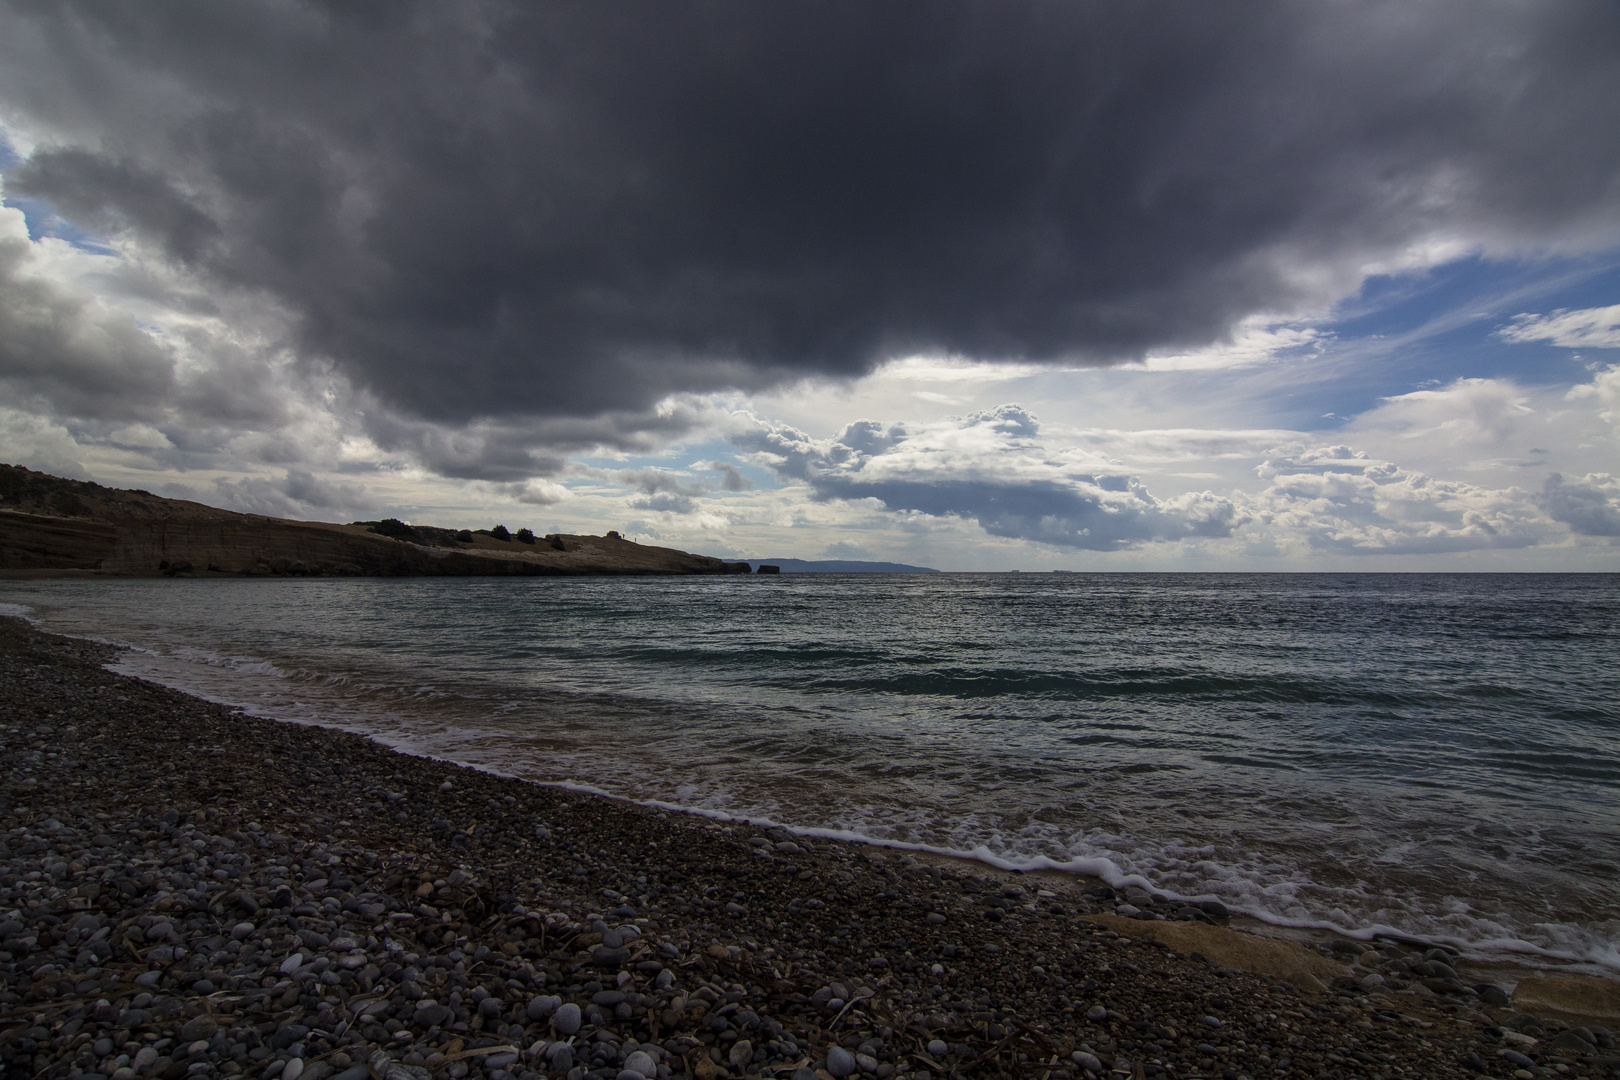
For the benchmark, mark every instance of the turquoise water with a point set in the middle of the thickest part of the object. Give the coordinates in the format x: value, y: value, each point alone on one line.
x: 1431, y: 754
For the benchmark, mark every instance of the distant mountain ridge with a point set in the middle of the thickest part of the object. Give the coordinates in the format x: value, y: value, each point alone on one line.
x: 839, y: 566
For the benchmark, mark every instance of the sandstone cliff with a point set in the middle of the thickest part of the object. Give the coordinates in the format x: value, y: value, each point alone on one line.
x: 51, y: 526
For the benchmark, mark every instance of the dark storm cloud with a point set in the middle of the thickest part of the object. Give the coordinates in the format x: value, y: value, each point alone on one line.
x: 991, y: 468
x: 572, y: 209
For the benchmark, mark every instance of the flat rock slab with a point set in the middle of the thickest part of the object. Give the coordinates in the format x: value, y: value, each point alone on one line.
x: 1281, y: 960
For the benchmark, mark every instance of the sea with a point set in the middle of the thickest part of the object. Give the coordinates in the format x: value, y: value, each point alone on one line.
x: 1423, y: 755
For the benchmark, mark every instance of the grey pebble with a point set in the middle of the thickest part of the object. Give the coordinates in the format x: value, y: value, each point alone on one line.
x: 741, y: 1054
x: 840, y: 1062
x: 1096, y: 1014
x: 567, y: 1020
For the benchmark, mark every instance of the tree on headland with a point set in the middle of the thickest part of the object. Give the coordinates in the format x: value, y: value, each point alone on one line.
x: 525, y: 536
x: 499, y: 532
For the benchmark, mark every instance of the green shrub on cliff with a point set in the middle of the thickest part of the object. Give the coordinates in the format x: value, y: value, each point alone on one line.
x: 499, y: 532
x: 395, y: 528
x: 524, y: 536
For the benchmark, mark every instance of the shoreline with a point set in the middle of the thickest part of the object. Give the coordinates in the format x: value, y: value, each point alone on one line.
x: 1503, y: 967
x: 439, y: 913
x: 1342, y: 851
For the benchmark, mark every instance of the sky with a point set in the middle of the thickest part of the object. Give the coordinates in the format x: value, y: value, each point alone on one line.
x: 1040, y: 284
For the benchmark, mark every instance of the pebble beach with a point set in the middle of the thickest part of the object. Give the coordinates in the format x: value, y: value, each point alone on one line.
x: 188, y: 891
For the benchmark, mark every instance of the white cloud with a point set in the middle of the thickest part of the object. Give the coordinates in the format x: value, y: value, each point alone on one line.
x: 1477, y: 413
x: 993, y: 468
x: 1256, y: 340
x: 1587, y: 328
x: 1343, y: 501
x: 1604, y: 389
x: 537, y: 492
x: 956, y: 369
x: 139, y: 437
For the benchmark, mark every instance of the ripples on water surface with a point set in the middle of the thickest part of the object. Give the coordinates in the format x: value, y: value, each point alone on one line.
x: 1435, y: 754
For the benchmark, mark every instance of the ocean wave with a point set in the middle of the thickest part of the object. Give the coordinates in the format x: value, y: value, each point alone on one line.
x: 1398, y: 791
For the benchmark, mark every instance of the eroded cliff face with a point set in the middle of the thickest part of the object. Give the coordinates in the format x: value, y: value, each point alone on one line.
x: 49, y: 525
x: 39, y: 543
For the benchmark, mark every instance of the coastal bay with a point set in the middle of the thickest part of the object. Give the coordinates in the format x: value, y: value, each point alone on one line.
x: 194, y: 891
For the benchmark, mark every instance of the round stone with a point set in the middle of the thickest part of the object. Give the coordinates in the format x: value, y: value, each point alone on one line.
x: 1096, y: 1014
x: 937, y: 1048
x: 567, y: 1020
x: 741, y: 1054
x: 840, y: 1062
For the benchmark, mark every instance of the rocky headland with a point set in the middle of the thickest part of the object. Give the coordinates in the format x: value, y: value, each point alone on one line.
x: 51, y: 527
x: 187, y: 891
